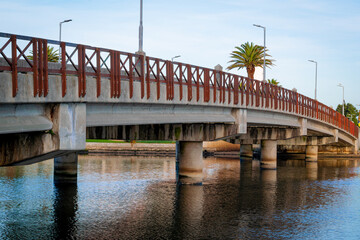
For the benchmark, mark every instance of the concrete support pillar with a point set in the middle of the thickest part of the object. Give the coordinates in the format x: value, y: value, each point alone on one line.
x: 268, y: 154
x: 246, y: 151
x: 189, y: 162
x: 311, y: 154
x: 65, y: 168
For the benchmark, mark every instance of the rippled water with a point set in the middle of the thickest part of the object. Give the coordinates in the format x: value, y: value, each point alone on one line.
x: 137, y: 198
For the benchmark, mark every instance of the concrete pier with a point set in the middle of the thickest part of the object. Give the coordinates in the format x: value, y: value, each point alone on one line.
x: 268, y: 154
x: 189, y: 162
x: 65, y: 168
x: 246, y: 152
x: 311, y: 154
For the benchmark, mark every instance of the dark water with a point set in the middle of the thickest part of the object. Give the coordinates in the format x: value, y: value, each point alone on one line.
x: 137, y: 198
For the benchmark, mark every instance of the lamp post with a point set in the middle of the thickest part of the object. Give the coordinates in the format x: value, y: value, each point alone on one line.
x: 264, y: 67
x: 343, y: 105
x: 141, y: 28
x: 172, y: 59
x: 315, y: 76
x: 65, y: 21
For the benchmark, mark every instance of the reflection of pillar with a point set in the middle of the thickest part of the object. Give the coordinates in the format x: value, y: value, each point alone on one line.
x: 189, y: 210
x: 312, y: 170
x: 268, y: 179
x: 65, y: 168
x: 65, y: 208
x: 268, y: 154
x: 246, y: 151
x: 311, y: 154
x: 189, y: 162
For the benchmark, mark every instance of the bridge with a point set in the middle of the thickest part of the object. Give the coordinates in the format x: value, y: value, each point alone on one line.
x: 48, y: 109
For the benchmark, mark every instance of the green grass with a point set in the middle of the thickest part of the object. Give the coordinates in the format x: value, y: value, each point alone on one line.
x: 122, y: 141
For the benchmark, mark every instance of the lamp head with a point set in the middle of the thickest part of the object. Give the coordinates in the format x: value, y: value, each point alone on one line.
x: 257, y: 25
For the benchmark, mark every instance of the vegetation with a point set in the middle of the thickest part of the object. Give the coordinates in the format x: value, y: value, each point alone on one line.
x: 53, y: 55
x: 274, y: 82
x: 249, y: 56
x: 350, y: 112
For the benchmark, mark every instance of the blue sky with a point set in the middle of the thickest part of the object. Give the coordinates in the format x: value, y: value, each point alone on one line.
x: 205, y: 32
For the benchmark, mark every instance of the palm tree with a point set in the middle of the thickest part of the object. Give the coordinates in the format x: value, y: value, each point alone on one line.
x: 53, y: 56
x: 274, y: 82
x: 249, y: 56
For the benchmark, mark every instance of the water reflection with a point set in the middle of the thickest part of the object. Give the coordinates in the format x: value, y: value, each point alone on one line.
x: 138, y: 198
x: 65, y: 209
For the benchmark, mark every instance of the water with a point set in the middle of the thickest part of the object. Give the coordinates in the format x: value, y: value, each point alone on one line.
x: 137, y: 198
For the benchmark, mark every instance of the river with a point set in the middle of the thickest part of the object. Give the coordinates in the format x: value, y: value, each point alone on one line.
x: 121, y: 197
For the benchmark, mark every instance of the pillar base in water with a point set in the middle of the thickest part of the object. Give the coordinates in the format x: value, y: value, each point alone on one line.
x: 311, y: 153
x: 268, y: 154
x: 189, y: 160
x: 246, y: 152
x: 65, y: 168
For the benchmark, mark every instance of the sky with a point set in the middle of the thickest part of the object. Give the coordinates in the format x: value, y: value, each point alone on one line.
x: 205, y: 32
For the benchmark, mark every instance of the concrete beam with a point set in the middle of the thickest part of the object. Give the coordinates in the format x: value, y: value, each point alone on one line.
x: 269, y: 133
x: 169, y: 132
x: 305, y: 141
x: 67, y: 134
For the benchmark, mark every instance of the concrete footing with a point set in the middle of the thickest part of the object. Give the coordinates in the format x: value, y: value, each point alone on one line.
x: 268, y: 154
x: 311, y: 154
x: 65, y: 168
x: 246, y: 151
x: 189, y: 162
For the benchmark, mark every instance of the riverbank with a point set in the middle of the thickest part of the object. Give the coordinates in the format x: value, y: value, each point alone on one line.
x: 217, y: 149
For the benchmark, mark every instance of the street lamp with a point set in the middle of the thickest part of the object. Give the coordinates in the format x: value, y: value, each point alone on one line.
x: 141, y: 28
x: 343, y: 105
x: 172, y: 59
x: 65, y: 21
x: 315, y: 75
x: 264, y: 72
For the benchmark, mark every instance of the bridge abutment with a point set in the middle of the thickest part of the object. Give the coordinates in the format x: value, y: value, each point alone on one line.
x: 189, y: 162
x: 311, y: 153
x: 65, y: 168
x: 268, y: 154
x: 246, y: 152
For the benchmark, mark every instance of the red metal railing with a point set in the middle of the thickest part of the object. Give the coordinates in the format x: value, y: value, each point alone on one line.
x: 118, y: 66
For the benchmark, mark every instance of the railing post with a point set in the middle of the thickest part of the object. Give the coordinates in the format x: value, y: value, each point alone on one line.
x: 197, y: 84
x: 206, y: 87
x: 189, y: 81
x: 98, y: 73
x: 14, y: 65
x: 236, y: 89
x: 35, y: 67
x: 217, y: 83
x: 180, y: 81
x: 63, y: 69
x: 46, y: 71
x: 147, y: 78
x: 131, y: 72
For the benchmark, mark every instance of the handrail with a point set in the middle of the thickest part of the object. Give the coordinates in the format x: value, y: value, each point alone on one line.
x: 118, y: 66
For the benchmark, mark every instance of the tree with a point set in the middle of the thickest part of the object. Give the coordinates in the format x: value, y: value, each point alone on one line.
x: 274, y: 82
x: 350, y: 112
x: 53, y: 56
x: 249, y: 56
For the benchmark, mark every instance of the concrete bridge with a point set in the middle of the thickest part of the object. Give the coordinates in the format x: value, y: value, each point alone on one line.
x: 47, y: 110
